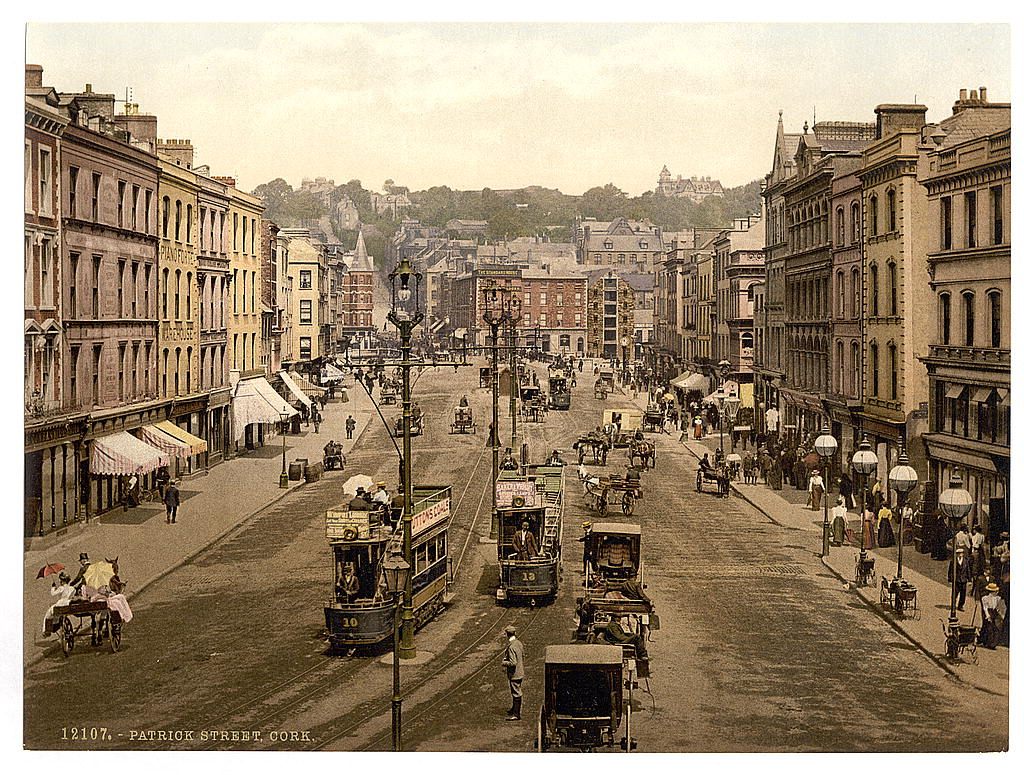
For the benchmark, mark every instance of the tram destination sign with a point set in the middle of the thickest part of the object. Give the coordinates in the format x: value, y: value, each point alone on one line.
x: 509, y: 494
x: 431, y: 515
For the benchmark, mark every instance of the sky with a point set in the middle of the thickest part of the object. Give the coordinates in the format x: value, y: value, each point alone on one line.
x: 506, y: 105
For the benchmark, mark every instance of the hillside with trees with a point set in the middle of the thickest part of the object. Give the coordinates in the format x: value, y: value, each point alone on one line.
x: 511, y: 213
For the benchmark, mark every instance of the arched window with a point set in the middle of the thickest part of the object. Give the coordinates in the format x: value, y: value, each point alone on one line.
x: 840, y: 227
x: 893, y: 300
x: 841, y: 294
x: 167, y: 354
x: 890, y: 206
x: 995, y: 315
x: 177, y: 220
x: 855, y: 291
x: 893, y: 370
x: 873, y: 367
x: 854, y: 223
x: 177, y: 370
x: 855, y: 368
x: 873, y: 216
x: 166, y: 211
x: 167, y: 281
x: 968, y: 314
x: 188, y: 371
x: 188, y: 224
x: 944, y: 317
x: 188, y: 296
x: 874, y: 290
x: 177, y: 294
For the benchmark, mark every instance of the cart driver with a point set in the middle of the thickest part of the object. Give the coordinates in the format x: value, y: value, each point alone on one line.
x: 616, y: 634
x: 463, y: 401
x: 79, y: 580
x: 347, y: 588
x: 705, y: 464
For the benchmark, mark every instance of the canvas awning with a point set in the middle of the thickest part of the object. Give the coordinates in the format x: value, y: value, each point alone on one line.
x: 694, y: 381
x: 256, y: 402
x: 460, y: 333
x: 954, y: 391
x: 163, y: 441
x: 678, y: 381
x: 331, y: 373
x: 196, y: 445
x: 121, y: 454
x: 295, y: 389
x: 307, y: 387
x: 729, y: 387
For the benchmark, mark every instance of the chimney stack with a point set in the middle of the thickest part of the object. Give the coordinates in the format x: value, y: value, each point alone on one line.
x: 983, y: 93
x: 963, y: 94
x: 890, y: 119
x: 33, y: 77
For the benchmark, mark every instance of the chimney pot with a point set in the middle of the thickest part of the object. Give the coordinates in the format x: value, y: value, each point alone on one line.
x: 88, y: 88
x: 963, y: 94
x: 983, y: 93
x: 974, y: 94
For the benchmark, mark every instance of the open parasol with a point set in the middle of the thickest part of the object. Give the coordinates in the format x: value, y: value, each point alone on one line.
x: 99, y: 574
x: 49, y: 569
x: 353, y: 483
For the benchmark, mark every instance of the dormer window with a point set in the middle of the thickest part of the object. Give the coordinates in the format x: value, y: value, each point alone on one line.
x: 607, y: 244
x: 643, y: 244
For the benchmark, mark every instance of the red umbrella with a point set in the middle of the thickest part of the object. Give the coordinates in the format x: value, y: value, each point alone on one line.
x: 48, y: 569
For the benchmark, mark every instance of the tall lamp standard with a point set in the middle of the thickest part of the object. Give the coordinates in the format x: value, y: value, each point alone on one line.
x: 903, y: 479
x: 826, y: 446
x: 865, y: 463
x: 514, y: 313
x: 396, y: 575
x: 494, y: 315
x: 283, y: 482
x: 406, y: 313
x: 955, y: 503
x: 732, y: 408
x: 720, y: 398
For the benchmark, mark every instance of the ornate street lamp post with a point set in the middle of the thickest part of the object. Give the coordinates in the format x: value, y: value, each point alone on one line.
x: 396, y: 575
x: 514, y: 314
x: 865, y: 463
x: 732, y: 408
x: 406, y: 313
x: 495, y: 312
x: 283, y: 482
x: 955, y: 503
x: 826, y: 446
x: 903, y: 479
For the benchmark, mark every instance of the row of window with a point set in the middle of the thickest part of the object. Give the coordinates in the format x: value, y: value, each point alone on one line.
x: 967, y: 319
x: 132, y: 201
x: 133, y: 372
x: 132, y: 286
x: 971, y: 412
x: 542, y: 319
x: 246, y: 289
x: 968, y: 236
x: 244, y: 358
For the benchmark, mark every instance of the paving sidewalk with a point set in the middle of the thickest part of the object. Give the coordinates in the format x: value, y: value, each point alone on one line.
x: 992, y: 671
x: 212, y: 505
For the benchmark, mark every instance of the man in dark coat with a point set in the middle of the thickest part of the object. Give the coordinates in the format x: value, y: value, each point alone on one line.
x: 172, y: 497
x: 960, y: 573
x: 525, y: 543
x: 350, y: 426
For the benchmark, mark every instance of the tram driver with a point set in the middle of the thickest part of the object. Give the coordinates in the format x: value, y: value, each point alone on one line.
x: 347, y: 588
x: 524, y: 543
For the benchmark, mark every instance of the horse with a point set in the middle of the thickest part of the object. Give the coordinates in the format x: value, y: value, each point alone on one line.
x: 642, y: 451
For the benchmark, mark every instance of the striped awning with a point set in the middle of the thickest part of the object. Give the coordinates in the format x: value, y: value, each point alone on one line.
x: 121, y: 454
x: 163, y: 441
x: 307, y: 387
x: 196, y: 445
x: 294, y: 389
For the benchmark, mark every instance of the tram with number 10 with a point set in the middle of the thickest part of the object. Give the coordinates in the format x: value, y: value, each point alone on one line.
x: 529, y: 533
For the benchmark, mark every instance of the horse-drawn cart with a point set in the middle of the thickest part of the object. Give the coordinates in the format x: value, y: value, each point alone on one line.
x: 719, y: 478
x: 463, y: 422
x: 642, y: 453
x: 602, y: 492
x: 653, y: 420
x: 595, y: 445
x: 388, y: 394
x: 95, y: 618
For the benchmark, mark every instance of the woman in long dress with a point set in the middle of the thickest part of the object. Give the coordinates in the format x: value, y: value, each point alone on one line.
x: 868, y: 529
x: 886, y: 536
x: 839, y: 522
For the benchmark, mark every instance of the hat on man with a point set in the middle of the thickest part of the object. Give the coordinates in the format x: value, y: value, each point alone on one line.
x: 992, y: 587
x: 1004, y: 534
x: 587, y: 524
x: 382, y: 484
x: 510, y: 630
x: 83, y: 556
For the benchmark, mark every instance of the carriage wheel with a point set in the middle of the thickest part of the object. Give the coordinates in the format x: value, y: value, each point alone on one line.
x: 66, y: 633
x: 115, y: 637
x: 627, y: 503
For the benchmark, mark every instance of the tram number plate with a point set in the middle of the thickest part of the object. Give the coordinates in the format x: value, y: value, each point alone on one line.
x: 529, y: 575
x: 349, y: 622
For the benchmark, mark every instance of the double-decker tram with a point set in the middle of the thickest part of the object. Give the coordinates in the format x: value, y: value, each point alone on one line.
x: 361, y: 611
x: 529, y: 533
x: 559, y: 376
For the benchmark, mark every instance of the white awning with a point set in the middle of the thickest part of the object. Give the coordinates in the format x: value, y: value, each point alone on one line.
x: 164, y: 442
x: 697, y: 382
x: 330, y: 373
x: 460, y: 333
x: 121, y: 454
x: 678, y: 381
x: 256, y: 402
x: 727, y: 388
x: 295, y: 389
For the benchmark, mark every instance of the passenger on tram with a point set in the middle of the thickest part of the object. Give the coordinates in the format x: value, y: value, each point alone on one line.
x: 524, y: 543
x: 509, y: 462
x: 361, y: 502
x: 347, y: 588
x: 463, y: 401
x: 555, y: 458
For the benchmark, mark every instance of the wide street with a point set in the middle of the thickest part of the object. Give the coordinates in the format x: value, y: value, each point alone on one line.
x: 760, y: 647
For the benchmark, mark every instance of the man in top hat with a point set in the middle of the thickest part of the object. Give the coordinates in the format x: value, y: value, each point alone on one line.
x: 509, y: 462
x: 515, y: 667
x: 993, y: 612
x: 524, y: 542
x: 959, y: 573
x: 79, y: 580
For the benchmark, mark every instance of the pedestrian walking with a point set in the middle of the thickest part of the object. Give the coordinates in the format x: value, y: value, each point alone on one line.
x: 172, y: 497
x: 316, y: 420
x: 815, y: 489
x: 350, y: 427
x: 959, y: 574
x: 977, y: 546
x: 993, y: 615
x: 514, y: 664
x: 839, y: 522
